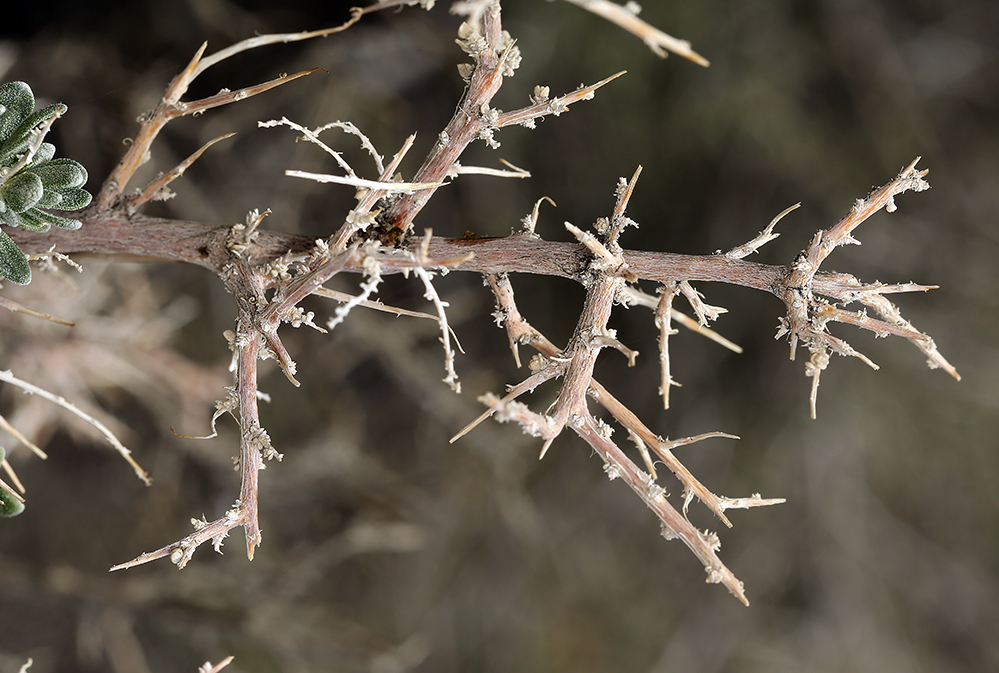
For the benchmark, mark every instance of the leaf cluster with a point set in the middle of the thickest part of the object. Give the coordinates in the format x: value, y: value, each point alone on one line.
x: 30, y: 177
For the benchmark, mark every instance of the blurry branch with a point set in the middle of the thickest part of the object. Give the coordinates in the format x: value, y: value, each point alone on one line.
x: 8, y: 377
x: 207, y: 667
x: 12, y: 305
x: 269, y: 274
x: 626, y: 16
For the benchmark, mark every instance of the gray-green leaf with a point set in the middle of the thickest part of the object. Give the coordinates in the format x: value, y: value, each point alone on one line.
x: 22, y: 191
x: 39, y: 220
x: 9, y: 505
x: 60, y: 173
x: 13, y: 263
x: 73, y: 198
x: 18, y: 103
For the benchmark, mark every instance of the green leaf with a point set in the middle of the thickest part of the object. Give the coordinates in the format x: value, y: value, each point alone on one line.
x: 36, y: 118
x: 65, y: 199
x: 39, y: 220
x: 13, y: 263
x: 44, y: 154
x: 22, y: 135
x: 45, y: 182
x: 22, y: 191
x: 9, y: 505
x: 18, y: 103
x: 34, y: 220
x: 59, y: 173
x: 8, y: 216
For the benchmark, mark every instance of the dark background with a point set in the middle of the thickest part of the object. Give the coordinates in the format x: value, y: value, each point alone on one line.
x: 387, y: 549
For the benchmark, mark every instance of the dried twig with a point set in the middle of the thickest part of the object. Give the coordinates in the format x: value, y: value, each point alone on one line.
x: 807, y: 316
x: 626, y: 16
x: 32, y: 389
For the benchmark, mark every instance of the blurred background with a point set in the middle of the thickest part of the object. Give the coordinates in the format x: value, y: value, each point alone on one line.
x: 387, y: 549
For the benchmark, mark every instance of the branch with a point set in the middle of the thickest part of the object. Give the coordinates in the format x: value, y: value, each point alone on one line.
x: 32, y: 389
x: 626, y: 16
x: 269, y: 274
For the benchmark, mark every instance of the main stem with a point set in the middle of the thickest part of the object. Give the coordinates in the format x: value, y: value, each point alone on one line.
x: 142, y: 238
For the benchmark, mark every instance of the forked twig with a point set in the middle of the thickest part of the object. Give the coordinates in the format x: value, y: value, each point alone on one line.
x: 807, y: 316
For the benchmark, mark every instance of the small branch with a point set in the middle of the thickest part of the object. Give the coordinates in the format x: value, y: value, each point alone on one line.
x: 664, y: 312
x: 7, y: 489
x: 543, y: 107
x: 451, y: 377
x: 344, y: 297
x: 807, y: 317
x: 208, y: 668
x: 153, y: 190
x: 512, y: 172
x: 369, y: 287
x: 171, y: 107
x: 387, y: 187
x: 546, y: 373
x: 14, y: 307
x: 704, y: 545
x: 13, y: 477
x: 761, y: 238
x: 30, y: 388
x: 626, y: 17
x: 633, y: 296
x: 705, y: 312
x: 360, y: 218
x: 5, y: 424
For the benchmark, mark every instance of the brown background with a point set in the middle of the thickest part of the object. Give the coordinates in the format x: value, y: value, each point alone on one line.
x: 388, y: 549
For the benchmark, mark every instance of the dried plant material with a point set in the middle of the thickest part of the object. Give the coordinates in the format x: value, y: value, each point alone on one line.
x: 156, y: 190
x: 761, y: 238
x: 530, y: 221
x: 807, y: 316
x: 632, y: 296
x: 389, y: 187
x: 21, y: 438
x: 208, y: 668
x: 626, y: 16
x: 12, y: 475
x: 511, y: 172
x: 664, y: 314
x: 431, y: 295
x: 11, y: 305
x: 705, y: 312
x: 8, y: 377
x: 171, y: 107
x: 372, y: 272
x: 269, y: 274
x: 607, y: 274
